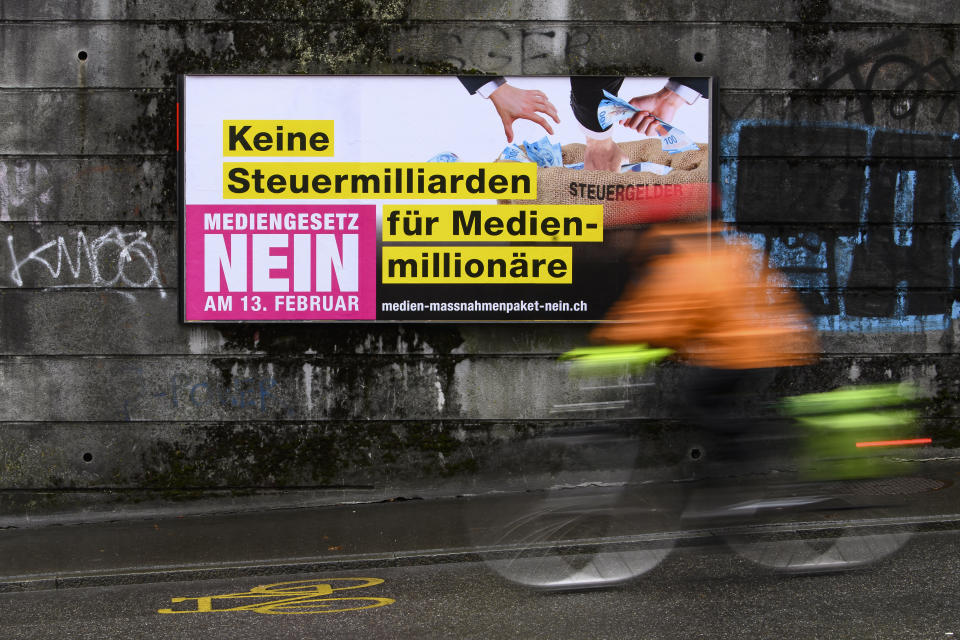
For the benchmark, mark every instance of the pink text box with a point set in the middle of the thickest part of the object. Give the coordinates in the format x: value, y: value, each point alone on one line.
x: 280, y: 262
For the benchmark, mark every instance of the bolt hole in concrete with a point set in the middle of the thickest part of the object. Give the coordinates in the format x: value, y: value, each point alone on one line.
x: 695, y: 453
x: 902, y: 107
x: 87, y: 457
x: 698, y: 56
x: 82, y: 55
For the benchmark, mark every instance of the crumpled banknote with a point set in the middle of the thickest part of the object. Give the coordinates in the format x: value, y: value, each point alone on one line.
x: 446, y: 156
x: 544, y: 152
x: 613, y: 109
x: 652, y: 167
x: 513, y: 153
x: 549, y: 154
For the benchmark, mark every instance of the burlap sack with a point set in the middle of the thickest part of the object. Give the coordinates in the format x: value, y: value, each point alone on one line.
x: 631, y: 198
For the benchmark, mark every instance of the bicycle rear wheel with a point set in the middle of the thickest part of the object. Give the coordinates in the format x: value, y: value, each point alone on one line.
x: 585, y: 537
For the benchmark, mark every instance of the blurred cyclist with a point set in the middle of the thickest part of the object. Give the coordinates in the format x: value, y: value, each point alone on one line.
x: 712, y: 298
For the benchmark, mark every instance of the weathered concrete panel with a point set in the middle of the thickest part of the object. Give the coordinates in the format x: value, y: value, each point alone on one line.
x: 533, y: 388
x: 841, y: 57
x: 86, y: 54
x: 87, y: 122
x: 930, y: 11
x: 358, y: 460
x: 233, y: 389
x: 107, y: 10
x: 897, y: 11
x: 55, y: 189
x: 107, y: 321
x: 821, y: 58
x: 242, y: 389
x: 802, y: 119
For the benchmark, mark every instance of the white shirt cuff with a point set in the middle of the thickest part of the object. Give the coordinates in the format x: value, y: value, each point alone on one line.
x: 490, y: 87
x: 597, y: 135
x: 689, y: 95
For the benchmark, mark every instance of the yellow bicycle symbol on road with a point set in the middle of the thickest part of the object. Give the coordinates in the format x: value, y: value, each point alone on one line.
x: 297, y: 597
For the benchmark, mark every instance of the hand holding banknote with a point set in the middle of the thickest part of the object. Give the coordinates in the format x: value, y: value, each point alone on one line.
x: 513, y: 103
x: 614, y: 109
x: 652, y: 108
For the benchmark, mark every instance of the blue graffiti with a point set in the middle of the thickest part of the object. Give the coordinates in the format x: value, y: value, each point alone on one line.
x: 903, y: 208
x: 886, y: 264
x: 256, y: 393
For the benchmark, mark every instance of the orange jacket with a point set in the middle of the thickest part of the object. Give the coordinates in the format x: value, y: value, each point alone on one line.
x: 715, y: 301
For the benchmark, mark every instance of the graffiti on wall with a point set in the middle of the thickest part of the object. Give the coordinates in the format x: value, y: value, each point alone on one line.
x: 113, y: 259
x: 254, y: 394
x: 25, y: 186
x: 887, y: 66
x: 534, y: 50
x: 865, y: 220
x: 881, y: 242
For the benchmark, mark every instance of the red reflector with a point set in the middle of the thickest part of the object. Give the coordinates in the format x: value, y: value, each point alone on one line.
x: 894, y: 443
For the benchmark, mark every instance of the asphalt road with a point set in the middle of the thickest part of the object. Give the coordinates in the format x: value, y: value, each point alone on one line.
x: 697, y: 592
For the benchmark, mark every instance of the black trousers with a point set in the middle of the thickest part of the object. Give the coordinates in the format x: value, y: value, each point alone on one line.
x: 726, y: 405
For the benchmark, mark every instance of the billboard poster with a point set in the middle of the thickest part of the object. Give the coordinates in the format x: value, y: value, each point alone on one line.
x: 427, y: 198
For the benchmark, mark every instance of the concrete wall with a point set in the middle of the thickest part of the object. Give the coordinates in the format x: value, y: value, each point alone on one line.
x: 838, y: 155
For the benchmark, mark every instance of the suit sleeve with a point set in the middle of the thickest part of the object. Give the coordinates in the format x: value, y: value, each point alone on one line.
x: 700, y: 85
x: 586, y: 92
x: 472, y: 83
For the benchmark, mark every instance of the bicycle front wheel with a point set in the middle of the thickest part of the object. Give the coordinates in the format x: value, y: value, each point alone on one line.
x: 806, y: 533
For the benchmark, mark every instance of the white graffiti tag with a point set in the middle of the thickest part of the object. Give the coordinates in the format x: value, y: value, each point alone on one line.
x: 26, y: 187
x: 114, y: 259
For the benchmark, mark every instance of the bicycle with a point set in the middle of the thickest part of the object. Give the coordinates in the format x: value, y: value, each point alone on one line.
x: 602, y: 535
